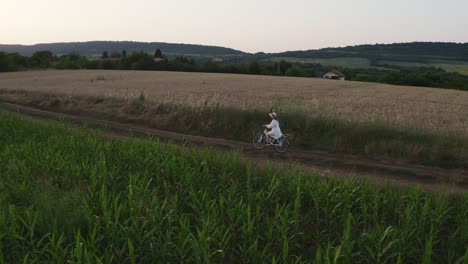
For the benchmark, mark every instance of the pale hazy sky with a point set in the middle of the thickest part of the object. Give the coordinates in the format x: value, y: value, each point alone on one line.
x: 248, y: 25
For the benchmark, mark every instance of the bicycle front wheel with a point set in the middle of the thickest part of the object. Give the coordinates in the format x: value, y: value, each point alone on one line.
x: 258, y: 141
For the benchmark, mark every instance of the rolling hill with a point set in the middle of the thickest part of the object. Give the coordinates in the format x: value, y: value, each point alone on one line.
x: 94, y: 48
x: 408, y: 52
x: 404, y: 51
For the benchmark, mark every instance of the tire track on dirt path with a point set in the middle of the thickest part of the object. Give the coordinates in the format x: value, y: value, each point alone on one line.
x: 382, y: 171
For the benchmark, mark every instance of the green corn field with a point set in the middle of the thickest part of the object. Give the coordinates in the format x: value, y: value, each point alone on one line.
x: 73, y: 196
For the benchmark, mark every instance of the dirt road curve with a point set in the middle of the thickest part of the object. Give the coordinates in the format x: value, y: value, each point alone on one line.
x: 340, y: 165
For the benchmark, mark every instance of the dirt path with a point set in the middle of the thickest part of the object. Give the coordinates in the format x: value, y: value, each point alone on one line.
x: 339, y: 165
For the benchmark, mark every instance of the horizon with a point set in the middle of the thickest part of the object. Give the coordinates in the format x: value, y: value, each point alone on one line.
x: 201, y: 44
x: 260, y: 26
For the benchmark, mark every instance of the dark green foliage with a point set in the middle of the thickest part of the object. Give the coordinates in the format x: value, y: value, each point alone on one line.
x: 212, y: 67
x: 425, y: 77
x: 12, y: 62
x: 184, y: 60
x: 284, y: 66
x: 73, y: 197
x: 295, y: 71
x: 138, y: 61
x: 254, y: 68
x: 157, y: 54
x: 42, y: 59
x: 116, y: 55
x: 4, y: 64
x: 72, y: 61
x: 107, y: 64
x: 105, y: 55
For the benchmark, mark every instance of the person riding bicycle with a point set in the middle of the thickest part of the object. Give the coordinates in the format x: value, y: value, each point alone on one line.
x: 275, y: 130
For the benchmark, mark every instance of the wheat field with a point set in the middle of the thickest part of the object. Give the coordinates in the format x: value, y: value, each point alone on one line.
x: 414, y: 107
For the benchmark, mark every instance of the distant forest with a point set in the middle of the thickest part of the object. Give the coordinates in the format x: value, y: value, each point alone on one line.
x: 415, y: 51
x: 95, y: 48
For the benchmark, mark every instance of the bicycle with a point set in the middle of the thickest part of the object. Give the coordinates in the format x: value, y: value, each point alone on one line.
x: 281, y: 144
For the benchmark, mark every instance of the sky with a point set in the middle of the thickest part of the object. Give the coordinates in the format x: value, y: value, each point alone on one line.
x: 247, y: 25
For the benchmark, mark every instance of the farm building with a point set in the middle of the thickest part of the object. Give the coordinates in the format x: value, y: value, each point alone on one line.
x: 334, y: 75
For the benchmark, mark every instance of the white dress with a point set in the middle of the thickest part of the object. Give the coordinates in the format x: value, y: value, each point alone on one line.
x: 275, y: 131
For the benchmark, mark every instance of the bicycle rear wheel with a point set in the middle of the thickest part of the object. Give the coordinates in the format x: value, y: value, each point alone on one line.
x: 283, y: 147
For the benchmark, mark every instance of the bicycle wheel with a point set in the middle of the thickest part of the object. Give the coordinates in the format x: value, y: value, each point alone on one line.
x: 258, y: 141
x: 283, y: 147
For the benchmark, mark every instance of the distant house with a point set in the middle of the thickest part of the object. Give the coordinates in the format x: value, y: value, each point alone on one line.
x: 217, y: 60
x: 334, y: 75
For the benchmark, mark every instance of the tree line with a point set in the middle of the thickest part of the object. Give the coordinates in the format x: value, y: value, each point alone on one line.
x: 413, y: 76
